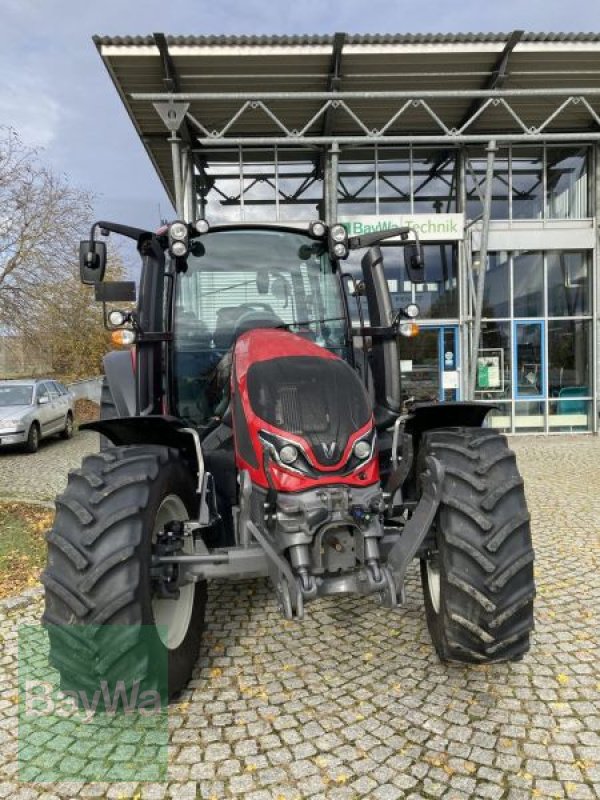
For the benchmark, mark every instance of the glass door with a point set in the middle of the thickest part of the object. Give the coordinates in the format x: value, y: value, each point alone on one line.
x: 429, y: 365
x: 530, y: 367
x: 529, y: 375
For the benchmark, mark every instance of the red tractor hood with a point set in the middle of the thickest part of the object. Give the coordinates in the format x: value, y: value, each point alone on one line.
x: 287, y: 390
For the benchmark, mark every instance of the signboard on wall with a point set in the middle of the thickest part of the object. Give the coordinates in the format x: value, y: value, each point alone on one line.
x: 430, y: 227
x: 490, y: 370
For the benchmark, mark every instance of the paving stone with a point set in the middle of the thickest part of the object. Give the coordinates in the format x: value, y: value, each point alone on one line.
x: 353, y: 703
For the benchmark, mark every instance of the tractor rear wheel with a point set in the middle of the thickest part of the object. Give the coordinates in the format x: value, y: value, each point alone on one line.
x: 105, y: 619
x: 478, y: 577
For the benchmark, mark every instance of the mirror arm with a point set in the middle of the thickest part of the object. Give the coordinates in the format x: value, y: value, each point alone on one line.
x: 369, y: 239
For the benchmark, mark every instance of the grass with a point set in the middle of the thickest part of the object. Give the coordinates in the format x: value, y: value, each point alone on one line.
x: 22, y: 545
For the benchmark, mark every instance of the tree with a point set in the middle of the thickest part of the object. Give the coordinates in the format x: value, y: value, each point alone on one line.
x: 43, y: 306
x: 41, y: 217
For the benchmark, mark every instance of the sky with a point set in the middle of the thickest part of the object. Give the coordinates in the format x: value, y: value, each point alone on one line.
x: 55, y: 92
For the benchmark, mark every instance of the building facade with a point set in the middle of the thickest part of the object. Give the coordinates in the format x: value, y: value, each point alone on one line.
x: 486, y: 145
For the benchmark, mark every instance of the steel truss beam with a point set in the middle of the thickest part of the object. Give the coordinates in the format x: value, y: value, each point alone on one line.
x: 444, y: 133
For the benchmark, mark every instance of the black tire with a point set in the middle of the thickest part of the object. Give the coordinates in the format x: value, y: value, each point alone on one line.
x: 108, y: 410
x: 98, y: 589
x: 67, y: 433
x: 33, y: 438
x: 478, y: 580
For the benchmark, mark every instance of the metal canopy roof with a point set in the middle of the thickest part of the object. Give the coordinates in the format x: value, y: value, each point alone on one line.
x: 365, y: 89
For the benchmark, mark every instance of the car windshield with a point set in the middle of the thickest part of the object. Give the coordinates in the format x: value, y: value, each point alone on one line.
x: 15, y: 395
x: 243, y: 279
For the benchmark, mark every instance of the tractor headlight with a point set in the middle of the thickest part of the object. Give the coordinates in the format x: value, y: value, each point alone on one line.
x: 117, y: 318
x: 362, y: 449
x: 288, y: 454
x: 317, y: 229
x: 339, y: 233
x: 340, y: 250
x: 412, y: 310
x: 178, y: 239
x: 179, y: 231
x: 202, y: 226
x: 178, y: 249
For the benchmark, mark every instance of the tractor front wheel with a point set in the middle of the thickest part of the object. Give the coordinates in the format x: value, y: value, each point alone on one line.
x: 107, y: 621
x: 478, y: 577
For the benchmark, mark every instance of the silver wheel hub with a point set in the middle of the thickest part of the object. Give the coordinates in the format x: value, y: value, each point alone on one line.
x: 172, y: 616
x: 432, y: 567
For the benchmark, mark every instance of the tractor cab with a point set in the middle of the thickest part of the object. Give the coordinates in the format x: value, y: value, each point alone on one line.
x: 239, y: 279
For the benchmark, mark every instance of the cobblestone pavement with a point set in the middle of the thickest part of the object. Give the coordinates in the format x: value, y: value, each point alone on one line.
x: 353, y: 702
x: 43, y: 475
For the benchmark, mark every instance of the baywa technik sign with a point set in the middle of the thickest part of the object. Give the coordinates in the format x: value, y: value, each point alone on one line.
x: 430, y: 227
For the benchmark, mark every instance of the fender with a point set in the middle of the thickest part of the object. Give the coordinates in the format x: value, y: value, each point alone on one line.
x: 120, y: 377
x: 152, y: 429
x: 427, y: 416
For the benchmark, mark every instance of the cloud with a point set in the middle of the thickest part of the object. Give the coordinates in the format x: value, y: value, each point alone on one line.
x: 27, y: 105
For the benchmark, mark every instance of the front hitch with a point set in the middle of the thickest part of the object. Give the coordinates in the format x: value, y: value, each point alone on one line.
x: 419, y: 525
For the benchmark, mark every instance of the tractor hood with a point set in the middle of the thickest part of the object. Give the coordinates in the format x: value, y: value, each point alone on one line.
x: 287, y: 390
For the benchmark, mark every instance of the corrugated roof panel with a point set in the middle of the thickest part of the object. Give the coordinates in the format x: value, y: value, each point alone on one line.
x: 370, y: 62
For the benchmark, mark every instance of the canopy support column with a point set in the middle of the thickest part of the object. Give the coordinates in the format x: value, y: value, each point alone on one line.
x: 483, y: 255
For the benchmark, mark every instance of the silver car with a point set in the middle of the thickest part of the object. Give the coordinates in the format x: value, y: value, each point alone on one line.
x: 30, y: 410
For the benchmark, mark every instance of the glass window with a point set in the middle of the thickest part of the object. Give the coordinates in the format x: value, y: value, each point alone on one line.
x: 494, y: 362
x: 438, y: 296
x: 15, y: 395
x: 528, y: 281
x: 496, y: 295
x: 569, y: 284
x: 300, y: 189
x: 529, y: 417
x: 356, y: 184
x: 259, y: 185
x: 570, y: 414
x: 237, y: 281
x: 394, y: 181
x: 475, y: 174
x: 527, y: 183
x: 570, y: 357
x: 567, y: 190
x: 529, y: 357
x: 500, y: 418
x: 434, y: 182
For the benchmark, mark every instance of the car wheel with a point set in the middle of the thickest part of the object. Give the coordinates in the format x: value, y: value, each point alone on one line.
x: 33, y: 438
x: 67, y: 433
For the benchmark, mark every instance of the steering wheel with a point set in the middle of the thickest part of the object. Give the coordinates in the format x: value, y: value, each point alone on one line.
x: 254, y: 306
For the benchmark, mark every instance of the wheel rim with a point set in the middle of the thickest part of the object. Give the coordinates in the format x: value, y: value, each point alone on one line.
x: 69, y: 426
x: 34, y: 436
x: 432, y: 568
x: 173, y: 616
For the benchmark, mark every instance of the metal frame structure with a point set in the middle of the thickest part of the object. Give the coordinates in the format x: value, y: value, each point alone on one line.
x: 333, y: 123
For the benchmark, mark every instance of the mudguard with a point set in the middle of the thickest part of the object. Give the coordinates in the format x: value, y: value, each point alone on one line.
x: 427, y: 416
x: 120, y: 377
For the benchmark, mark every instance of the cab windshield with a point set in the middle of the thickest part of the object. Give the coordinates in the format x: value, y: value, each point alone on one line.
x: 239, y: 280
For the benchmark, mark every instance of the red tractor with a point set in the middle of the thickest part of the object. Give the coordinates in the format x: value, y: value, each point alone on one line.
x: 255, y: 430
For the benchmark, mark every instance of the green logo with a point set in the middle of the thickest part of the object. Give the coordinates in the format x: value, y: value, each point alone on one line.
x: 92, y: 725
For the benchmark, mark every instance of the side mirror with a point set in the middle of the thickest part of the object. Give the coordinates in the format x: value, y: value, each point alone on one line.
x: 414, y: 261
x: 43, y: 400
x: 92, y: 261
